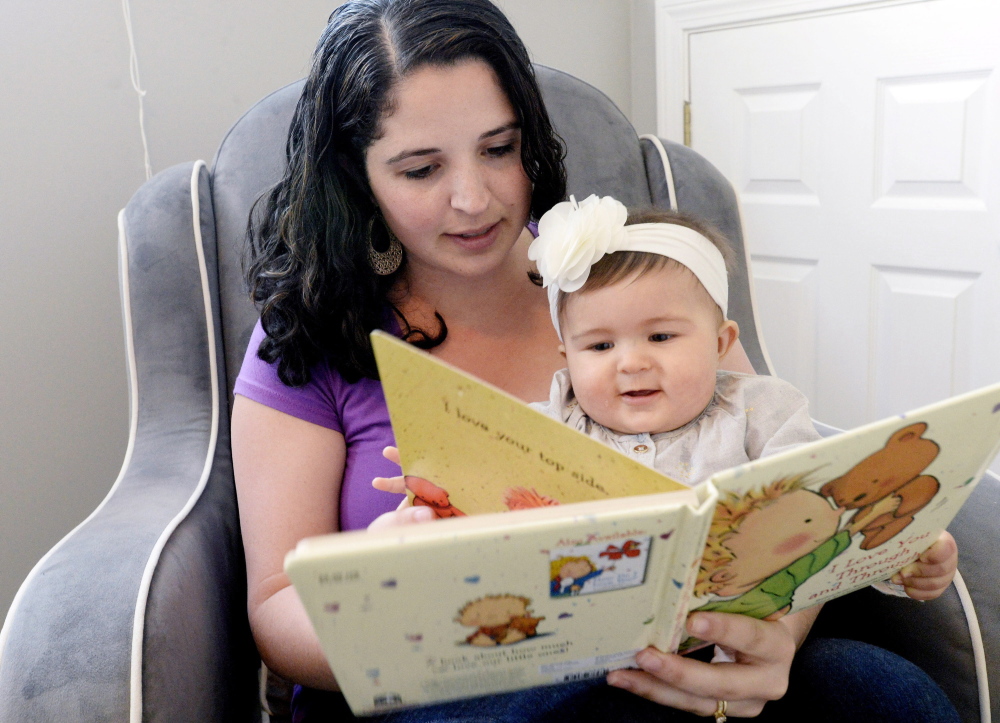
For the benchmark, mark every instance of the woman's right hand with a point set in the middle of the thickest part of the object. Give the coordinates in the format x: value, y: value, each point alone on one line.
x: 396, y: 485
x: 405, y: 514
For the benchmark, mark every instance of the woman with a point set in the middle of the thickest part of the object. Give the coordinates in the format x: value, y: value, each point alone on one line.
x: 418, y: 152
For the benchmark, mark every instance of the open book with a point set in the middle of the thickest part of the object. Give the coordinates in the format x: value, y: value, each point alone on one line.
x: 560, y: 558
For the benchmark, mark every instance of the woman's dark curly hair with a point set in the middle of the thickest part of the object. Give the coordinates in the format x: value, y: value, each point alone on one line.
x: 306, y: 260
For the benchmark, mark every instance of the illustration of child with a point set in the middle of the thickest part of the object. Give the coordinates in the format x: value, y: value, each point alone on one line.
x: 640, y: 305
x: 764, y: 544
x: 499, y: 620
x: 568, y: 574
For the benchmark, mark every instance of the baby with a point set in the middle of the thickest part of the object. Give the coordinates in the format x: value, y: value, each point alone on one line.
x: 640, y: 305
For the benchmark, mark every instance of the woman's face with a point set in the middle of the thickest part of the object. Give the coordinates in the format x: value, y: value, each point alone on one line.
x: 446, y: 171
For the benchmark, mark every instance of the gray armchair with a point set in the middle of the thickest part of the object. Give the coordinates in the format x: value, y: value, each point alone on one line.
x: 140, y: 612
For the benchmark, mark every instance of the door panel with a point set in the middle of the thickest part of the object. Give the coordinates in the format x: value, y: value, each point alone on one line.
x: 864, y: 147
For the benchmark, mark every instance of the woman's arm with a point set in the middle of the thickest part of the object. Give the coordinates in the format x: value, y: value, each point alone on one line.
x: 763, y: 652
x: 288, y: 474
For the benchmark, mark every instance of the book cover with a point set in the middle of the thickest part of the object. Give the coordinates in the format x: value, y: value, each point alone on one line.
x: 512, y: 599
x: 477, y: 605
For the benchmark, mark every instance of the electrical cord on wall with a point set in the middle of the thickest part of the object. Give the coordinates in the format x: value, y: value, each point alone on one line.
x: 133, y: 71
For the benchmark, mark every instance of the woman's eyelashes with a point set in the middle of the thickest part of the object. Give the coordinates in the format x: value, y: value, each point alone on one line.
x: 493, y: 153
x: 501, y: 151
x: 418, y: 173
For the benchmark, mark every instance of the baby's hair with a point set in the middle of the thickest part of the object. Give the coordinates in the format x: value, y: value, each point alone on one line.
x: 729, y: 515
x: 615, y: 267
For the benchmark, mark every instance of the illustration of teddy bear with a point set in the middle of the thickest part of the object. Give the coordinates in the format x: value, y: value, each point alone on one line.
x: 893, y: 470
x: 499, y: 620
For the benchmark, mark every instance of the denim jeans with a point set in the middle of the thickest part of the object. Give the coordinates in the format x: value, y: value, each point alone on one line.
x: 831, y: 680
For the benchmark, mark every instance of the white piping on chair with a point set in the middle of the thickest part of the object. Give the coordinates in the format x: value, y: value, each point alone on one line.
x: 133, y: 388
x: 978, y: 648
x: 750, y: 287
x: 667, y: 171
x: 135, y: 698
x: 746, y: 246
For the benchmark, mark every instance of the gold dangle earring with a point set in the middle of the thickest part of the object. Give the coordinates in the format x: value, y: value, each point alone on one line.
x: 385, y: 262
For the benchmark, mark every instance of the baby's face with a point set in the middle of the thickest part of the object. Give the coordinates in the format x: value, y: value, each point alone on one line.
x: 642, y: 353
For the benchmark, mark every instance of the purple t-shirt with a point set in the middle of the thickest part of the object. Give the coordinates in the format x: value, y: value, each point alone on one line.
x: 355, y: 410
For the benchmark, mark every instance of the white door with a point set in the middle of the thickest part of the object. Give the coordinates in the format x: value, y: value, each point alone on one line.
x: 865, y: 147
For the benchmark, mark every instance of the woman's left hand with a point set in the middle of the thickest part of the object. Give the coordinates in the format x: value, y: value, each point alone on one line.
x: 763, y: 654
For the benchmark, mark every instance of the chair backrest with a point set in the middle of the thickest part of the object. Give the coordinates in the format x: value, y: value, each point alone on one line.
x: 604, y: 156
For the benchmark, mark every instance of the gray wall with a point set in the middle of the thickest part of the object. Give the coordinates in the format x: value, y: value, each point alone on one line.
x: 70, y: 158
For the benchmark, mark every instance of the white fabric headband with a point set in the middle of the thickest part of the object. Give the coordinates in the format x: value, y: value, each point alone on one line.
x: 573, y: 236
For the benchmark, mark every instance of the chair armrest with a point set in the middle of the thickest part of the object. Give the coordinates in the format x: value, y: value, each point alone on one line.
x: 140, y: 612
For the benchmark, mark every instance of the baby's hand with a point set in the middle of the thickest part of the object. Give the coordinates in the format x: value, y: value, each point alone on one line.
x: 932, y: 572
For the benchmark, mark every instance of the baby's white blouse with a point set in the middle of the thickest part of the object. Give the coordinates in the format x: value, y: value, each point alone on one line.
x: 750, y: 417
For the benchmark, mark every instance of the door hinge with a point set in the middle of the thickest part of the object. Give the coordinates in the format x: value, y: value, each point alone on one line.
x: 687, y: 123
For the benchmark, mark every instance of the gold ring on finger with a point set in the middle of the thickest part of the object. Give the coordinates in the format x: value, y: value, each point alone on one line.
x: 720, y: 711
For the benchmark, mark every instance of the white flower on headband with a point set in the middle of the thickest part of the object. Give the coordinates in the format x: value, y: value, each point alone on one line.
x: 573, y: 236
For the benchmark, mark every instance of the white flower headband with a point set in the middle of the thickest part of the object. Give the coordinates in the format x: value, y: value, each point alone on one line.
x: 573, y: 236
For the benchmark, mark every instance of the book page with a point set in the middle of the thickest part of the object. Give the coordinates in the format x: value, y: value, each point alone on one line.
x: 473, y: 448
x: 811, y: 524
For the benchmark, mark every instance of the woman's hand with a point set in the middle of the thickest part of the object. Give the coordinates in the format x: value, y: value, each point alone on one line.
x: 405, y: 514
x: 763, y: 653
x: 932, y: 572
x: 396, y: 485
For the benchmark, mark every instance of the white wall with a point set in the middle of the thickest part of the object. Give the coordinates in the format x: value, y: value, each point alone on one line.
x: 70, y: 158
x: 608, y: 43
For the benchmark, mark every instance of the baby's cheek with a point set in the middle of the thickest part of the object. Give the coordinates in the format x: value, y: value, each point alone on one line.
x: 702, y: 391
x: 593, y: 396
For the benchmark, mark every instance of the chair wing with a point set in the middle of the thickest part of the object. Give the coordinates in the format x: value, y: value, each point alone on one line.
x: 140, y: 613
